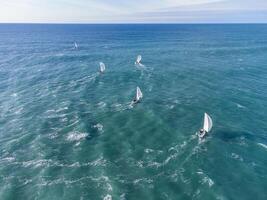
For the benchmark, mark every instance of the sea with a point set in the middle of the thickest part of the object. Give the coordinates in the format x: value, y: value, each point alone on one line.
x: 70, y: 132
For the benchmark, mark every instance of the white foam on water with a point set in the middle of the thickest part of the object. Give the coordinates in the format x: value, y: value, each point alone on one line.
x: 169, y: 158
x: 240, y: 106
x: 76, y: 136
x: 205, y: 179
x: 8, y: 159
x: 196, y: 194
x: 50, y: 111
x: 109, y: 187
x: 53, y: 135
x: 262, y: 145
x: 99, y: 162
x: 237, y: 157
x: 14, y: 95
x: 149, y: 150
x: 99, y: 127
x: 140, y: 164
x: 170, y: 107
x: 107, y: 197
x: 122, y: 196
x: 208, y: 180
x: 65, y: 119
x: 62, y: 109
x: 176, y: 101
x: 144, y: 180
x: 74, y: 123
x: 37, y: 163
x: 154, y: 164
x: 120, y: 107
x: 77, y: 144
x: 101, y: 104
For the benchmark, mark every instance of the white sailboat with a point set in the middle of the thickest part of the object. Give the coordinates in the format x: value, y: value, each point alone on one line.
x: 102, y: 67
x: 138, y: 60
x: 138, y: 96
x: 207, y: 125
x: 75, y: 45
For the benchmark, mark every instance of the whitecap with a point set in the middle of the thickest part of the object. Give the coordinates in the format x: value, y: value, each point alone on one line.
x: 107, y: 197
x: 236, y: 157
x: 37, y: 163
x: 8, y: 159
x: 169, y: 158
x: 122, y: 196
x: 61, y: 109
x: 65, y: 119
x: 145, y: 180
x: 205, y: 178
x: 99, y: 162
x: 208, y: 180
x: 101, y: 104
x: 75, y: 122
x: 154, y: 164
x: 109, y: 187
x: 120, y: 107
x: 53, y: 135
x: 49, y: 111
x: 262, y: 145
x: 99, y: 127
x: 149, y: 150
x: 76, y: 136
x: 240, y: 106
x: 170, y: 107
x: 140, y: 164
x: 176, y: 101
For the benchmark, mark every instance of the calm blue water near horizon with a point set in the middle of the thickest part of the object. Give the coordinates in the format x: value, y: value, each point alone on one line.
x: 67, y: 132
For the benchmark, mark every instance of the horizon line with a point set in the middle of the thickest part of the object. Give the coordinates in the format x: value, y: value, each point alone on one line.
x: 131, y: 23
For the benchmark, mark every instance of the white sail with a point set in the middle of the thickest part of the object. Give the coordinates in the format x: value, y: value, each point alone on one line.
x: 75, y: 45
x: 139, y: 94
x: 138, y: 59
x: 102, y: 67
x: 207, y: 123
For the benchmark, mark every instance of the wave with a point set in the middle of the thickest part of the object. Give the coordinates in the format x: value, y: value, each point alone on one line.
x: 236, y: 157
x: 101, y: 104
x: 76, y: 136
x: 107, y: 197
x: 262, y: 145
x: 7, y: 159
x: 240, y: 106
x: 117, y: 107
x: 142, y: 180
x: 99, y: 127
x: 46, y: 163
x: 205, y: 179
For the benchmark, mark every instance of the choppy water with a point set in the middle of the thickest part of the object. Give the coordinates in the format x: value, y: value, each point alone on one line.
x: 67, y: 132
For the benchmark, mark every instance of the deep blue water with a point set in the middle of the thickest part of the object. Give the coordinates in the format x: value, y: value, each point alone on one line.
x: 67, y: 132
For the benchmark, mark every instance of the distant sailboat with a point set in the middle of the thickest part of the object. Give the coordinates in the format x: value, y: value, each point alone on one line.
x: 102, y: 67
x: 138, y: 60
x: 138, y: 96
x: 75, y: 45
x: 207, y: 125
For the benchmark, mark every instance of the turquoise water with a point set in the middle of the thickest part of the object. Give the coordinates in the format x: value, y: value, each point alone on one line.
x: 67, y: 132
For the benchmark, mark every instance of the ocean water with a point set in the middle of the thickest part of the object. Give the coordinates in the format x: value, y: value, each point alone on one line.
x: 68, y: 132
